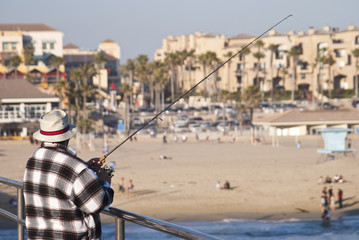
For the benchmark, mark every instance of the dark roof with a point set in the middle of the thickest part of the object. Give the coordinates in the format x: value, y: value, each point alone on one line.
x: 309, y: 117
x: 20, y: 88
x: 70, y: 46
x: 242, y: 36
x: 109, y: 41
x: 38, y: 27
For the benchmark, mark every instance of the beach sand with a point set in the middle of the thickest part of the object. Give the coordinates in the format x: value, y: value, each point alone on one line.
x: 268, y: 182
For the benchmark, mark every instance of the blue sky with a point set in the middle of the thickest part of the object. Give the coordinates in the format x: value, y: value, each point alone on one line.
x: 140, y: 25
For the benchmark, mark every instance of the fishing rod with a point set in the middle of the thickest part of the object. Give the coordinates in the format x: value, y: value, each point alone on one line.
x: 103, y: 158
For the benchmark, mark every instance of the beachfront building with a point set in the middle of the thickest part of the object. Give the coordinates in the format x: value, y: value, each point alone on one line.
x: 316, y: 60
x: 109, y: 73
x: 300, y: 123
x: 34, y: 45
x: 21, y: 106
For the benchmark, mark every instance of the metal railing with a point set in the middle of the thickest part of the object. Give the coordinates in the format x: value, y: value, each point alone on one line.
x: 19, y: 218
x: 120, y: 217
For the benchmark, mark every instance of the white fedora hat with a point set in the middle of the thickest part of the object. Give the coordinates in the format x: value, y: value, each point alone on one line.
x: 54, y: 127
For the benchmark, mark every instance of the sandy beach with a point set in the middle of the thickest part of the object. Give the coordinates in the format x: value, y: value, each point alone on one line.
x: 268, y: 182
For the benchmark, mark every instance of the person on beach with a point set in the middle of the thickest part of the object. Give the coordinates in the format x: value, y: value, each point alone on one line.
x: 218, y: 186
x: 63, y: 194
x: 121, y: 185
x: 340, y: 198
x: 332, y: 203
x: 323, y: 202
x: 227, y: 185
x: 130, y: 187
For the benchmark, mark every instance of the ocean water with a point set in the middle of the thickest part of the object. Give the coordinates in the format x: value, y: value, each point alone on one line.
x: 345, y: 228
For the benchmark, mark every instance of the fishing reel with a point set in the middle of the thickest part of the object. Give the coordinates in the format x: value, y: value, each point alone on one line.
x: 109, y: 170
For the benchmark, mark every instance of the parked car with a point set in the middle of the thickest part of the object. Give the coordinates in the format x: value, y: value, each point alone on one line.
x: 136, y: 122
x: 230, y: 110
x: 182, y: 120
x: 179, y: 129
x: 197, y: 119
x: 329, y: 106
x: 196, y: 127
x: 355, y: 103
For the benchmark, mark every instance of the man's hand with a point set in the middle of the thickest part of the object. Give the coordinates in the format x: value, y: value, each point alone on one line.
x: 94, y: 164
x: 103, y: 175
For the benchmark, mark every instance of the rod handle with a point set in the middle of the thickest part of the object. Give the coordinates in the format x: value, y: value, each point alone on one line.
x: 103, y: 159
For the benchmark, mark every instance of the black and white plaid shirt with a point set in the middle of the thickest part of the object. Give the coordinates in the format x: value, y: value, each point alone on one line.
x: 63, y: 197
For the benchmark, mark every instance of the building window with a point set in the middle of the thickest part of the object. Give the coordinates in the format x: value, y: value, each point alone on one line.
x: 52, y: 45
x: 44, y: 45
x: 302, y: 76
x: 6, y: 46
x: 357, y: 40
x: 339, y: 53
x: 13, y: 45
x: 337, y: 41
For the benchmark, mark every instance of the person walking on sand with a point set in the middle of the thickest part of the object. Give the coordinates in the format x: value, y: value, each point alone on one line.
x: 121, y: 185
x: 332, y: 203
x: 130, y: 187
x: 63, y: 194
x: 340, y: 198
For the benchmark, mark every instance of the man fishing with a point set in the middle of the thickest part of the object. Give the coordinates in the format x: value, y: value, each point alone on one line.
x: 64, y: 195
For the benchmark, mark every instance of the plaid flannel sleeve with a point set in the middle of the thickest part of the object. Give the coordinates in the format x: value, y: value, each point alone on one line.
x: 91, y: 194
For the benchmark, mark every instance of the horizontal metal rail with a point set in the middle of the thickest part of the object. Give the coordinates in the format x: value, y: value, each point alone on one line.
x: 159, y: 225
x: 118, y: 214
x: 19, y: 218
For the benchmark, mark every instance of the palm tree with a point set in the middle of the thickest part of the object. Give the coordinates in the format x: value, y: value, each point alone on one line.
x: 159, y: 78
x: 294, y: 53
x: 61, y: 87
x: 182, y: 56
x: 130, y: 69
x: 258, y: 55
x: 273, y: 49
x: 189, y: 65
x: 56, y: 62
x: 284, y: 73
x: 86, y: 90
x: 172, y: 60
x: 100, y: 61
x: 319, y: 60
x: 356, y: 55
x: 251, y: 98
x: 28, y: 58
x: 330, y: 61
x: 228, y: 55
x: 244, y: 52
x: 208, y: 59
x: 15, y: 61
x: 126, y: 91
x: 75, y: 77
x: 141, y: 71
x: 203, y: 61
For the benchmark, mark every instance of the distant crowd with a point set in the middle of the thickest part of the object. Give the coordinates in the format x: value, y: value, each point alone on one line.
x: 328, y: 200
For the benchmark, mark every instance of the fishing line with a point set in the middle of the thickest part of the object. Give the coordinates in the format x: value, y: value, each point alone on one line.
x: 103, y: 158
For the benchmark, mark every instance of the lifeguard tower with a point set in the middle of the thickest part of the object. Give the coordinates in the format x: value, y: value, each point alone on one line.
x: 335, y: 143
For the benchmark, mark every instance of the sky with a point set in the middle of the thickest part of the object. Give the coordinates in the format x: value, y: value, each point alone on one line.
x: 139, y: 26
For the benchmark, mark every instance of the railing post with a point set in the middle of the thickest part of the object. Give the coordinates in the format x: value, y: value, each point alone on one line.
x: 20, y: 213
x: 119, y: 228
